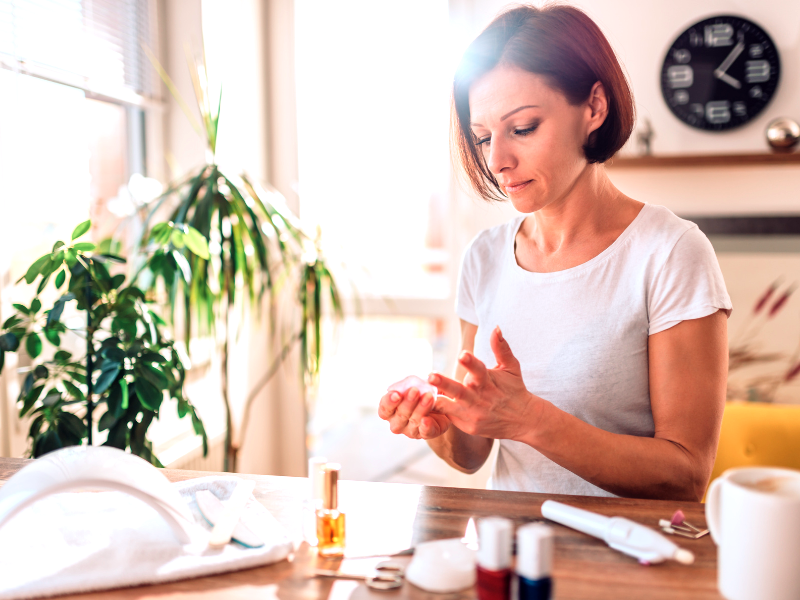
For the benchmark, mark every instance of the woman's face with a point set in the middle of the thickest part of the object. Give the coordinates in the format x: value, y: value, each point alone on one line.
x: 531, y: 137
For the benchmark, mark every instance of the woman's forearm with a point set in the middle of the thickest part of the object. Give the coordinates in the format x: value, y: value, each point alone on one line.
x: 625, y: 465
x: 462, y: 451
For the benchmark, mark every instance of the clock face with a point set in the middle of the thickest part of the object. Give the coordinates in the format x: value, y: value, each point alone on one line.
x: 720, y: 73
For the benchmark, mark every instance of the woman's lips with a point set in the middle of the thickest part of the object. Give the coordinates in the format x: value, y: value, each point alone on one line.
x: 517, y: 187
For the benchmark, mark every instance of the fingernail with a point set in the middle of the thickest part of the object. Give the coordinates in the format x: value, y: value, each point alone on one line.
x: 433, y: 379
x: 499, y: 334
x: 395, y: 397
x: 426, y: 400
x: 464, y: 357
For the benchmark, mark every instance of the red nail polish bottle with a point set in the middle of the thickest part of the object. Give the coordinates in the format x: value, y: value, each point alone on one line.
x: 494, y: 558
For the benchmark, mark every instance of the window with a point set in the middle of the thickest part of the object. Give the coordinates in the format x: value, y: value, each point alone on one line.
x: 373, y: 90
x: 75, y: 89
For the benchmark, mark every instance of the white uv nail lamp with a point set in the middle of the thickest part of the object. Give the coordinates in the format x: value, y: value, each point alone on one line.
x: 97, y: 468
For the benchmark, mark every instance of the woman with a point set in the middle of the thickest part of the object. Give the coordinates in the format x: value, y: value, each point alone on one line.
x: 606, y: 317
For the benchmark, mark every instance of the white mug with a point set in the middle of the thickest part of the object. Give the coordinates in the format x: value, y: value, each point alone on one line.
x: 753, y: 514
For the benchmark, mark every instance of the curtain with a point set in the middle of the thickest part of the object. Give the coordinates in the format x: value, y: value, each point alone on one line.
x: 94, y: 45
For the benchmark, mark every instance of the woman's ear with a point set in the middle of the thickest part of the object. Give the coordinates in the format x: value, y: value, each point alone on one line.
x: 596, y: 108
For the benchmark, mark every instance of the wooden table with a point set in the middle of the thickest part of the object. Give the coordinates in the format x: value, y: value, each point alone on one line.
x: 383, y: 518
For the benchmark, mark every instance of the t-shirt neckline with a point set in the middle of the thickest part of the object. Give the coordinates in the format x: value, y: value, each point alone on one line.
x: 577, y: 269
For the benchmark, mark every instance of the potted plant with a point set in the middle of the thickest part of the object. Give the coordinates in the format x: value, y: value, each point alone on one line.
x: 258, y: 250
x: 129, y: 366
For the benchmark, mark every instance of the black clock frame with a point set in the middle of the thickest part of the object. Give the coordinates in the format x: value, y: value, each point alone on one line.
x: 707, y: 90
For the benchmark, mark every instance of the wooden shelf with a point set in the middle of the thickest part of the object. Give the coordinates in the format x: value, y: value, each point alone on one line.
x: 704, y: 160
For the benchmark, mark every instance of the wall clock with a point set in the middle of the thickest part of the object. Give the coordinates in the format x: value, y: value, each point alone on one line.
x: 720, y: 73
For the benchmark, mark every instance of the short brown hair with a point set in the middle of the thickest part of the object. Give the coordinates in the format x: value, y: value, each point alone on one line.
x: 560, y: 43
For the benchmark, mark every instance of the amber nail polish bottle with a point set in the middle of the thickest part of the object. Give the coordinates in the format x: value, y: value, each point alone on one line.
x: 330, y: 521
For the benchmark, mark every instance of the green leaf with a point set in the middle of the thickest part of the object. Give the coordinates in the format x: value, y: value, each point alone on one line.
x: 73, y: 390
x: 62, y: 356
x: 60, y: 277
x: 118, y: 435
x: 183, y: 265
x: 52, y: 336
x: 55, y: 313
x: 123, y: 384
x: 197, y: 243
x: 36, y: 426
x: 81, y: 229
x: 178, y: 238
x: 84, y: 246
x: 9, y: 342
x: 107, y: 377
x: 74, y: 425
x: 161, y: 233
x: 106, y: 421
x: 35, y: 268
x: 112, y: 258
x: 58, y: 245
x: 2, y: 359
x: 47, y: 442
x: 114, y: 353
x: 41, y: 372
x: 71, y: 257
x: 148, y: 356
x: 27, y: 385
x: 117, y: 280
x: 33, y: 344
x: 149, y: 395
x: 79, y: 377
x: 36, y: 305
x: 12, y: 321
x: 153, y: 375
x: 52, y: 398
x: 30, y: 399
x: 49, y: 267
x: 43, y: 283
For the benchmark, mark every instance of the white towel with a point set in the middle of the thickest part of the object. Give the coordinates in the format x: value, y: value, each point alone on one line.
x: 81, y: 542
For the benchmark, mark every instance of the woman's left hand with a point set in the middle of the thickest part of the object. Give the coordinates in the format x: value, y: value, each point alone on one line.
x: 491, y: 403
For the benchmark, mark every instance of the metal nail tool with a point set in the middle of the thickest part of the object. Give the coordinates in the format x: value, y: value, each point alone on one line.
x: 387, y: 576
x: 680, y: 526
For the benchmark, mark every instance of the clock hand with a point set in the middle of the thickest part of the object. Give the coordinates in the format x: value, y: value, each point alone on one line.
x: 729, y: 80
x: 737, y: 50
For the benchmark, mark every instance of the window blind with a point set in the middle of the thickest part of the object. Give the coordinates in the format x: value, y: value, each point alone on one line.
x: 95, y: 45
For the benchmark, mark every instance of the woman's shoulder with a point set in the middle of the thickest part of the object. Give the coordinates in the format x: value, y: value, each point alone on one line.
x: 661, y: 230
x: 492, y: 240
x: 659, y: 219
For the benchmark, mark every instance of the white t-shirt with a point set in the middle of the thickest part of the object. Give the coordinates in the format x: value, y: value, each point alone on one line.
x: 580, y: 334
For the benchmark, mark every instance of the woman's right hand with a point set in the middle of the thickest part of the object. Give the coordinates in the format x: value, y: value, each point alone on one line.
x: 410, y: 414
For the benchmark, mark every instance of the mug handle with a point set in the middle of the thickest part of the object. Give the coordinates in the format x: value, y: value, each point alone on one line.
x: 713, y: 508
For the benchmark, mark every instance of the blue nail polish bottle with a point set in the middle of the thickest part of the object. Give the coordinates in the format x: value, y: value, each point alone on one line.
x: 534, y: 561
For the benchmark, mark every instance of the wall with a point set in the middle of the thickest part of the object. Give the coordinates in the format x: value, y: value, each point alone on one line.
x: 641, y: 33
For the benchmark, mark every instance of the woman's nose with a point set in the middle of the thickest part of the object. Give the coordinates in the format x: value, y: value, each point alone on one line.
x: 500, y: 157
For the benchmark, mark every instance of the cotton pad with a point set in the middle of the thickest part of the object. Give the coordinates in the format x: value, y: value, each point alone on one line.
x: 412, y: 381
x: 442, y: 566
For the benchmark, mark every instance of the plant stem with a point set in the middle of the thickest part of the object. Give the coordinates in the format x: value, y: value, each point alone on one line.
x: 89, y: 356
x: 229, y: 464
x: 257, y: 389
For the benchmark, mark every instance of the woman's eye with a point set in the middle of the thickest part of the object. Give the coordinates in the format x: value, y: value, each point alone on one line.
x: 526, y: 130
x: 482, y: 141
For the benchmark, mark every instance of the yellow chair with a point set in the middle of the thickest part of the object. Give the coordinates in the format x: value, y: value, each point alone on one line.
x: 758, y: 434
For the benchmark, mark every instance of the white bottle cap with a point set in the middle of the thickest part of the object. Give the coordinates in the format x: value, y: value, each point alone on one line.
x: 534, y: 551
x: 316, y: 476
x: 494, y: 543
